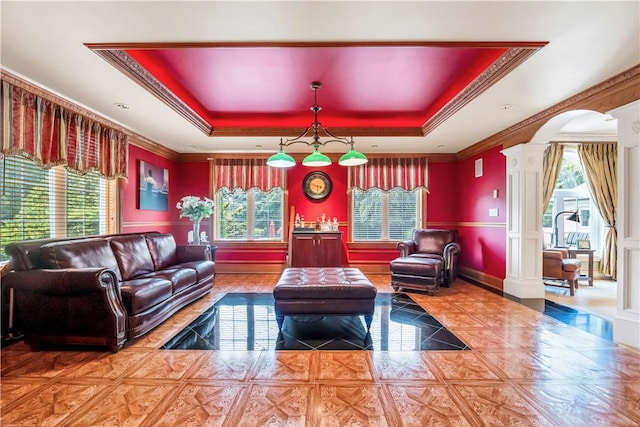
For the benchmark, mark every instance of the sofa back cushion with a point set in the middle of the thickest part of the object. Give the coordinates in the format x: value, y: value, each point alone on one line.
x: 133, y: 255
x: 433, y: 241
x: 80, y: 254
x: 163, y: 250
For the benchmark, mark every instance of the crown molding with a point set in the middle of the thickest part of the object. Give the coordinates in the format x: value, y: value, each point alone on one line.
x: 619, y: 90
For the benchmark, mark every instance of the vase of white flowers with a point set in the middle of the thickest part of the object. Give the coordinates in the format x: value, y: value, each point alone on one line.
x: 196, y: 209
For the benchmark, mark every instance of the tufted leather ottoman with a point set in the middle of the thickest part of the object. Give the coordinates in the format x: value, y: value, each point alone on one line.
x: 325, y: 291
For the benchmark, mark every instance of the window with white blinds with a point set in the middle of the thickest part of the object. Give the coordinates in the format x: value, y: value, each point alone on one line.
x: 39, y: 203
x: 385, y: 216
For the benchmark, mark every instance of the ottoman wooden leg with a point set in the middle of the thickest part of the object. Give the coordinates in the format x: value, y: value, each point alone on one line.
x: 368, y: 319
x: 279, y: 321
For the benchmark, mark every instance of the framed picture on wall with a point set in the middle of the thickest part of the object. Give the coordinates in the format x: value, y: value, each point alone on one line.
x: 584, y: 244
x: 153, y: 187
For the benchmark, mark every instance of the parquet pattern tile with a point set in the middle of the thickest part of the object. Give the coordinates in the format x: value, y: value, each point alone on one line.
x: 523, y: 368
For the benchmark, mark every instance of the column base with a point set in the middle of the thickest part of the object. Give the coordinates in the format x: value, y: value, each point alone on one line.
x: 524, y: 289
x: 627, y: 331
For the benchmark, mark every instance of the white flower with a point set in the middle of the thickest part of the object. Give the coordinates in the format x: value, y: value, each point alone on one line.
x: 195, y: 208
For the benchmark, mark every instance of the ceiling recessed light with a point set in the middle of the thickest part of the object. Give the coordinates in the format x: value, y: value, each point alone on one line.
x: 122, y: 106
x: 505, y: 106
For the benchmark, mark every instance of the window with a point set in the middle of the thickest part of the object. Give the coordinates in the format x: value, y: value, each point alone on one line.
x: 39, y: 203
x: 572, y: 194
x: 249, y: 215
x: 385, y: 216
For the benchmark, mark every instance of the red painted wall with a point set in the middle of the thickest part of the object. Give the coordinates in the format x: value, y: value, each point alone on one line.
x: 456, y: 200
x: 443, y: 196
x: 190, y: 178
x: 483, y: 245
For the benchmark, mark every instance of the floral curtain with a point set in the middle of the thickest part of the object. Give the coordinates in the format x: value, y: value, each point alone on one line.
x: 52, y: 135
x: 386, y: 173
x: 246, y: 174
x: 600, y: 166
x: 552, y: 163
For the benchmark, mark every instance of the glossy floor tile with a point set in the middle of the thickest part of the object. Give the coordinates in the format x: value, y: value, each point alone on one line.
x: 588, y: 322
x: 521, y: 367
x: 246, y: 321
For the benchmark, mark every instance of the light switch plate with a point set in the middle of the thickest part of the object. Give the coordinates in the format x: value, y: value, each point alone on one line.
x: 493, y: 212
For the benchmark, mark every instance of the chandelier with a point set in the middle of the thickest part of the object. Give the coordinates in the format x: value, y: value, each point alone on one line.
x: 316, y: 159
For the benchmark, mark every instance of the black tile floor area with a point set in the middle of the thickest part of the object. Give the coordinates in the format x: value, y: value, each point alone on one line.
x: 586, y: 321
x: 246, y: 321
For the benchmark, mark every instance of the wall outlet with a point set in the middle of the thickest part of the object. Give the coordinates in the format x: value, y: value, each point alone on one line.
x: 493, y: 212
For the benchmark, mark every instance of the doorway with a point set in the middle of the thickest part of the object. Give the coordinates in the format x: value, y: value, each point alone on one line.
x: 572, y: 195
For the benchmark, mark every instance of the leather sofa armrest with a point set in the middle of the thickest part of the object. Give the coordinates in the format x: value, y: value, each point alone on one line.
x: 406, y: 248
x: 554, y: 254
x: 450, y: 255
x: 187, y: 253
x: 76, y: 302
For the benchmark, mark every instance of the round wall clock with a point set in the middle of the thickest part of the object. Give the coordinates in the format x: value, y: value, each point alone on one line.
x: 316, y: 185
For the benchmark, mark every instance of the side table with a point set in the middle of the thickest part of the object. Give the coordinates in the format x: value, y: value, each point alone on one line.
x: 575, y: 251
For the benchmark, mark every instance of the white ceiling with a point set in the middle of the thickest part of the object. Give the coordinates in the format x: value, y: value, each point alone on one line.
x: 589, y: 42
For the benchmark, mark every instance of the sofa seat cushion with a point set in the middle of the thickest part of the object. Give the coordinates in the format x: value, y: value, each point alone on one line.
x: 80, y: 254
x: 571, y: 264
x: 204, y: 269
x: 426, y: 256
x: 133, y: 255
x: 180, y: 278
x: 141, y: 294
x: 163, y: 250
x: 417, y: 266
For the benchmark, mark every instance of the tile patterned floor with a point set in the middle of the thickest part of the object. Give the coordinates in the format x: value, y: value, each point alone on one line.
x: 246, y: 321
x: 524, y: 368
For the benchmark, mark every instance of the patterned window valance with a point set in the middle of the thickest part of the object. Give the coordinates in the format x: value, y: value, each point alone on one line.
x: 52, y: 135
x: 246, y: 174
x: 388, y: 173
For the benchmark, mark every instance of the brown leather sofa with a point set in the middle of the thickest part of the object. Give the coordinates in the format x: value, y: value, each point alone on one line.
x: 427, y: 261
x: 559, y: 268
x: 103, y: 291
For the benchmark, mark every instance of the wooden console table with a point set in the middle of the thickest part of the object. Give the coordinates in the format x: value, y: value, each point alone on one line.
x: 572, y: 254
x: 316, y: 249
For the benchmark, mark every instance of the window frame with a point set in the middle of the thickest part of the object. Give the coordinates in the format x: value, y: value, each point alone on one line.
x: 420, y: 195
x: 250, y: 195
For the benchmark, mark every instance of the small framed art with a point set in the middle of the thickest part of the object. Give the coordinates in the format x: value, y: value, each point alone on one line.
x: 584, y: 244
x: 153, y: 187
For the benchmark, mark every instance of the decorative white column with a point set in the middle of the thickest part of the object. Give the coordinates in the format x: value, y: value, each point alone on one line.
x: 626, y: 325
x: 524, y: 222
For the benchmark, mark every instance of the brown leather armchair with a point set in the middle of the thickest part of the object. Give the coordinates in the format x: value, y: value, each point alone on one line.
x: 557, y: 266
x: 427, y: 261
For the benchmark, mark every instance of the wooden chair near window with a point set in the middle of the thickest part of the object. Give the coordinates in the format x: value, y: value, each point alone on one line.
x: 560, y: 270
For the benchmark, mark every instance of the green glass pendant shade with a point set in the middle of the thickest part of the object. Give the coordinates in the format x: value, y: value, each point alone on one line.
x: 352, y: 158
x: 316, y: 159
x: 281, y: 160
